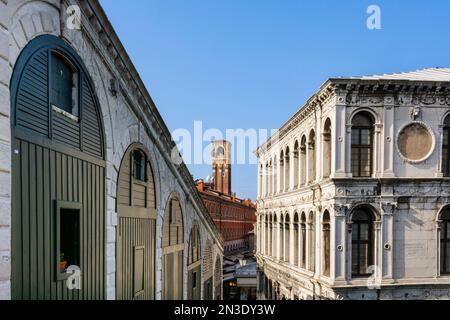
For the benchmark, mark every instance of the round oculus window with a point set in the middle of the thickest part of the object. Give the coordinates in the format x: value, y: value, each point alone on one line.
x: 415, y: 142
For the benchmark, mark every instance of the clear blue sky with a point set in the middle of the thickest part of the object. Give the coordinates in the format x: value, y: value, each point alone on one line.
x: 252, y: 64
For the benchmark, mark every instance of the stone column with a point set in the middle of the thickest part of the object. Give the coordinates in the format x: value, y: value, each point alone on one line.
x: 348, y: 150
x: 387, y: 242
x: 439, y: 173
x: 387, y: 147
x: 378, y: 252
x: 308, y: 247
x: 378, y: 150
x: 340, y: 139
x: 348, y: 251
x: 339, y: 250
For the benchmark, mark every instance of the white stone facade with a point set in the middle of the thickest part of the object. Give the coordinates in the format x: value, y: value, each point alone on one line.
x: 128, y: 117
x: 315, y: 182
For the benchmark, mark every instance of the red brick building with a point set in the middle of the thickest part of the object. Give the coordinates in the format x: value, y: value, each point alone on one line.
x: 234, y: 217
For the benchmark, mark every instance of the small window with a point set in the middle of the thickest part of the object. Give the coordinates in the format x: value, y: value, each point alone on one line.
x: 64, y: 86
x: 68, y: 216
x: 139, y: 165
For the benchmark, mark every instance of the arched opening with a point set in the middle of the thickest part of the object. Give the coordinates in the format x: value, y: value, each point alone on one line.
x: 194, y: 264
x: 270, y: 178
x: 326, y: 137
x: 312, y: 157
x: 274, y: 235
x: 266, y: 180
x: 281, y: 237
x: 296, y: 240
x: 287, y: 170
x: 446, y: 147
x: 208, y: 272
x: 326, y: 239
x: 303, y: 148
x: 362, y: 241
x: 312, y: 242
x: 269, y: 235
x: 362, y: 145
x: 172, y: 249
x: 445, y: 241
x: 296, y: 167
x: 275, y: 176
x: 287, y: 234
x: 303, y: 241
x: 218, y: 279
x: 58, y: 175
x: 261, y: 181
x: 136, y: 228
x: 282, y: 172
x: 267, y: 231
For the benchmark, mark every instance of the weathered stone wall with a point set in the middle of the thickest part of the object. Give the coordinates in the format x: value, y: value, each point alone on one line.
x: 127, y: 119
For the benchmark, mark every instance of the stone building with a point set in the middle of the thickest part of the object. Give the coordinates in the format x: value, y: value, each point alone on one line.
x: 234, y: 217
x: 89, y: 174
x: 354, y: 192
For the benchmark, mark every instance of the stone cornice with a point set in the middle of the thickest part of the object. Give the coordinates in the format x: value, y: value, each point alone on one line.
x: 347, y: 89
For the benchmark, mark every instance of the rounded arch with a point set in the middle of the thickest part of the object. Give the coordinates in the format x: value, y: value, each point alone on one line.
x: 311, y: 217
x: 326, y: 244
x: 445, y: 157
x: 312, y: 148
x: 137, y: 214
x: 374, y: 213
x: 44, y: 51
x: 367, y: 111
x: 443, y: 213
x: 327, y: 148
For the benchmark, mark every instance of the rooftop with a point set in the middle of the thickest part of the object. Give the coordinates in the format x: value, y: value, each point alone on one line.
x: 428, y: 74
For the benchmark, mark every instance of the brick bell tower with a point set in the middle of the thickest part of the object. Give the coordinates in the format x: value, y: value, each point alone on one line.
x: 221, y: 163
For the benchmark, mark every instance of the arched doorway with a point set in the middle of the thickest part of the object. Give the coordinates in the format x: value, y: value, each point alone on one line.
x: 136, y: 229
x: 58, y: 175
x: 172, y: 247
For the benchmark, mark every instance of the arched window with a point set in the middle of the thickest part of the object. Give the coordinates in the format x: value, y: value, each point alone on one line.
x: 270, y: 177
x: 296, y: 168
x: 312, y: 157
x: 282, y: 174
x: 139, y: 161
x: 267, y: 227
x: 287, y: 170
x: 275, y: 176
x: 218, y: 279
x: 326, y: 243
x: 362, y: 145
x: 445, y: 241
x: 446, y: 147
x: 296, y: 240
x: 327, y: 149
x: 303, y: 241
x: 220, y: 152
x: 287, y: 234
x: 208, y: 271
x: 64, y: 85
x: 303, y: 148
x: 312, y: 242
x: 269, y: 235
x: 261, y: 181
x: 362, y: 242
x: 266, y: 179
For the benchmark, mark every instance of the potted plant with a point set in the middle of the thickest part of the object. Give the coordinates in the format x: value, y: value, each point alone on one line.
x: 62, y: 262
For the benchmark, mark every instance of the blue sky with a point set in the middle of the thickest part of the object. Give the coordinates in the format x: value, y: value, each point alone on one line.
x: 252, y: 64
